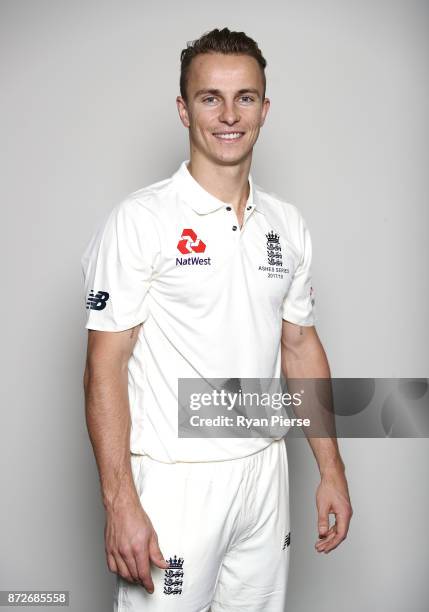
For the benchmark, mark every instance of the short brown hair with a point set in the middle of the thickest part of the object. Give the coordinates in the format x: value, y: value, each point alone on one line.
x: 219, y: 41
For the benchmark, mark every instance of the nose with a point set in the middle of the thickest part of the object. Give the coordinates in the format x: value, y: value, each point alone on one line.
x: 229, y: 113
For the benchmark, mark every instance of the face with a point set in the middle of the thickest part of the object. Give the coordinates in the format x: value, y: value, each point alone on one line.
x: 225, y: 108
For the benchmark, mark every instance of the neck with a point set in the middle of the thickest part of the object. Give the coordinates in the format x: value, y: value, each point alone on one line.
x: 228, y: 184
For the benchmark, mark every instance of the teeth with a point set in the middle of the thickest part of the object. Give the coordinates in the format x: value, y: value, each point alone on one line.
x: 232, y: 136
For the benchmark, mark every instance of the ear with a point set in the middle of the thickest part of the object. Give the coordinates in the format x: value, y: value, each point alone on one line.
x: 265, y: 108
x: 183, y: 111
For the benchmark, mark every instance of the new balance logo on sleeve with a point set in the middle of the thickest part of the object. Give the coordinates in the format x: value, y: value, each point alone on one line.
x: 97, y: 301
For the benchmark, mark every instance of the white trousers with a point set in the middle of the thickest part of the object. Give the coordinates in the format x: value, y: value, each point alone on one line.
x: 223, y: 526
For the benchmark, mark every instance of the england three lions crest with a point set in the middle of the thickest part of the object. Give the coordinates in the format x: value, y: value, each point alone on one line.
x: 173, y: 576
x: 274, y: 249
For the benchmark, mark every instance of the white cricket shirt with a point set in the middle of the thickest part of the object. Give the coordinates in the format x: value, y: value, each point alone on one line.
x: 211, y: 297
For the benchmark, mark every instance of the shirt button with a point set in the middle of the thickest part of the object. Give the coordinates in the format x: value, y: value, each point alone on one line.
x: 249, y: 207
x: 228, y: 208
x: 234, y: 227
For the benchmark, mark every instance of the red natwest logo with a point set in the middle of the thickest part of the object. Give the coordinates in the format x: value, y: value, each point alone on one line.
x: 190, y: 243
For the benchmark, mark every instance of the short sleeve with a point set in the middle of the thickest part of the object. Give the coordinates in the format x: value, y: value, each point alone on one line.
x: 298, y: 305
x: 118, y: 265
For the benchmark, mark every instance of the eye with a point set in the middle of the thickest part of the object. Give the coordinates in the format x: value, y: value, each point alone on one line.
x: 246, y: 99
x: 209, y: 100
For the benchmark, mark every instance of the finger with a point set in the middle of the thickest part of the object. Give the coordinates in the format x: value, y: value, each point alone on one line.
x: 111, y: 563
x: 130, y: 561
x: 323, y: 520
x: 330, y: 530
x: 326, y: 537
x: 333, y: 544
x: 155, y: 553
x: 323, y: 544
x: 342, y: 523
x: 143, y: 568
x: 122, y: 568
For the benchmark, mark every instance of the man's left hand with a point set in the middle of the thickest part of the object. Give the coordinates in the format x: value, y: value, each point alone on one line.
x: 332, y: 497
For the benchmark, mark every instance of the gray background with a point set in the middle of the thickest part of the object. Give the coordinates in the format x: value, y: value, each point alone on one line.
x: 88, y: 115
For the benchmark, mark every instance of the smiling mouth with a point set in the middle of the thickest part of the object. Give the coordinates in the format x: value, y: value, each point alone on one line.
x: 228, y: 136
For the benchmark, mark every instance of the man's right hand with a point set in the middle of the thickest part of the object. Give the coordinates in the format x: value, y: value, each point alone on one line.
x: 130, y: 540
x: 131, y: 544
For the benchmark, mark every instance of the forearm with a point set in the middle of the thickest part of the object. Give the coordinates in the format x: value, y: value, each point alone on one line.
x: 307, y: 360
x: 108, y: 422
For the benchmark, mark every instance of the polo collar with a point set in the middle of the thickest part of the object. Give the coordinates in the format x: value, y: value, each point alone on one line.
x: 201, y: 200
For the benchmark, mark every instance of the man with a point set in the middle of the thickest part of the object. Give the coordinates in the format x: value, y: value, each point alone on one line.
x: 181, y: 283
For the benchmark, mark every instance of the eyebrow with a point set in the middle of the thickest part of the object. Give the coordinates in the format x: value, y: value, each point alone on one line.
x: 217, y: 92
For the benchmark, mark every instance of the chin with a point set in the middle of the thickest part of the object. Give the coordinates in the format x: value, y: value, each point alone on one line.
x: 230, y: 158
